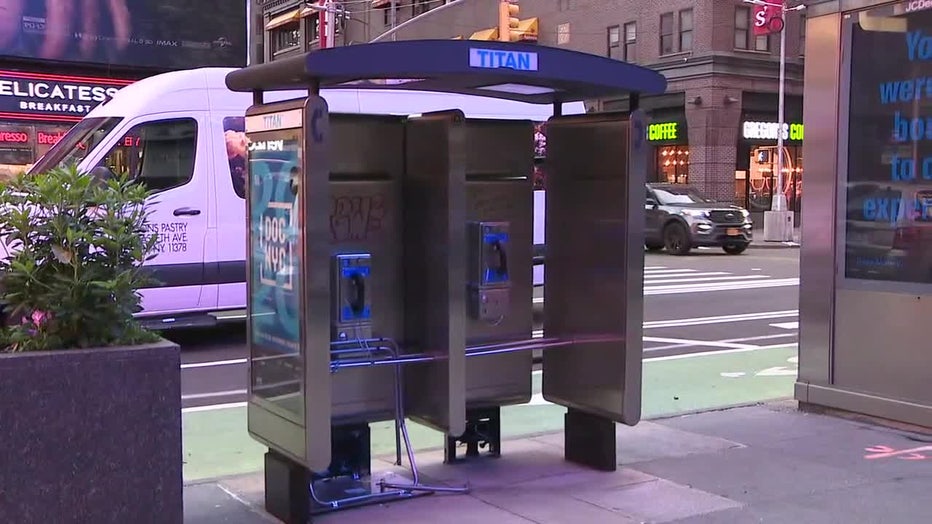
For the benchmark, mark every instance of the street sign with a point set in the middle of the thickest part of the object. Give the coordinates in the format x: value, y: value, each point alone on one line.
x: 768, y: 18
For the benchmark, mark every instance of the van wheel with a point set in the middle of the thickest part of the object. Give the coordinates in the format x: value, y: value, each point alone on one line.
x: 676, y: 239
x: 734, y: 249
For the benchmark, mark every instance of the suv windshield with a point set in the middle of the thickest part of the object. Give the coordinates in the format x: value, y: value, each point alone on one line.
x: 679, y: 195
x: 76, y: 144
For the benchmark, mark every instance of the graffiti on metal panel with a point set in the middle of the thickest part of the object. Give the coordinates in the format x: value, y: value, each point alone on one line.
x: 883, y: 452
x: 354, y: 218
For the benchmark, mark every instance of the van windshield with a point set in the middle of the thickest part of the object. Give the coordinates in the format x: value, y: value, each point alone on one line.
x: 77, y: 143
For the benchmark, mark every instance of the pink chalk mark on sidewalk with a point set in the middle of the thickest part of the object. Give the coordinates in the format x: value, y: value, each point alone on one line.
x: 879, y: 452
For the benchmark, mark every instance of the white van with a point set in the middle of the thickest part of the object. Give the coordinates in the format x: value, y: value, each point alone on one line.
x: 182, y: 133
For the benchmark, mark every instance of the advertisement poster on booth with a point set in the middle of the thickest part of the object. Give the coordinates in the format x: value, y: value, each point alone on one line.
x: 274, y: 176
x: 160, y: 34
x: 888, y: 195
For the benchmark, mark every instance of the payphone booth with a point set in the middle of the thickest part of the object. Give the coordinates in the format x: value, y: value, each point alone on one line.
x: 391, y: 261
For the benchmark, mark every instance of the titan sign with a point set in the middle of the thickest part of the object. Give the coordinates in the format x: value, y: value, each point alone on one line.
x: 53, y: 96
x: 162, y: 34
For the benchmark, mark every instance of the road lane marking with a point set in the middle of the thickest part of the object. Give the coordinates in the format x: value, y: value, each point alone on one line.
x: 707, y: 279
x: 725, y: 286
x: 212, y: 363
x: 703, y: 343
x: 213, y: 407
x: 742, y: 339
x: 720, y: 319
x: 786, y: 325
x: 228, y: 393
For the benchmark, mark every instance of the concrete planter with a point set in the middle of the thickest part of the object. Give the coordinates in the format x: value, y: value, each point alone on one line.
x: 91, y: 436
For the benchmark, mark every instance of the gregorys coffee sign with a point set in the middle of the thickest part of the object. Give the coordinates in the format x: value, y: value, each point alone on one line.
x: 54, y: 96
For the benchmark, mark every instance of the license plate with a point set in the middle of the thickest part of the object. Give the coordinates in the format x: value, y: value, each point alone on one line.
x: 733, y: 231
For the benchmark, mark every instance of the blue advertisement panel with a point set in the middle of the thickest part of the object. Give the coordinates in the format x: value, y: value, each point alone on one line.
x: 888, y: 215
x: 274, y: 176
x: 162, y: 34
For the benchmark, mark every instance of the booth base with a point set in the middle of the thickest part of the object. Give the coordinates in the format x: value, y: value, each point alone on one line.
x: 589, y: 440
x: 483, y: 429
x: 286, y: 493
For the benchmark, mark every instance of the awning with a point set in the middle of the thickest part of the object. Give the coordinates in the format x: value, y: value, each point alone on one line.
x: 485, y: 34
x: 381, y: 3
x: 309, y: 11
x: 284, y: 18
x: 528, y: 29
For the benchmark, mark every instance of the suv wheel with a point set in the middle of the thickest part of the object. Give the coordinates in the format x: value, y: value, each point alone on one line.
x: 651, y: 246
x: 734, y: 249
x: 676, y: 239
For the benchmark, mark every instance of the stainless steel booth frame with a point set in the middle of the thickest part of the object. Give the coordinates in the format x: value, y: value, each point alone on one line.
x: 598, y: 387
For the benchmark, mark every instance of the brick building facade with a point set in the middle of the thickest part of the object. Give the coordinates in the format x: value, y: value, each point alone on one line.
x: 721, y: 103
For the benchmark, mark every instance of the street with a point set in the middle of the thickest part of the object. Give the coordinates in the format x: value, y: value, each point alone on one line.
x: 697, y: 303
x: 719, y: 330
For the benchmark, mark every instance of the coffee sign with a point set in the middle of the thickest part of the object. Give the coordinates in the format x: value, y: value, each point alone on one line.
x: 771, y: 131
x: 55, y: 96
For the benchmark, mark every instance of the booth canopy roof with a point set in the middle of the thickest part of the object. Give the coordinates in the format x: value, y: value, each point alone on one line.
x: 515, y: 71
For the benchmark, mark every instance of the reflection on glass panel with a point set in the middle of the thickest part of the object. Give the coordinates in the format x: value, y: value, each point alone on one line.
x: 761, y: 178
x: 888, y: 231
x: 275, y: 173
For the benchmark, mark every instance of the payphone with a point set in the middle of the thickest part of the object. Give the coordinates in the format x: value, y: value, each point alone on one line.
x: 352, y: 303
x: 490, y: 285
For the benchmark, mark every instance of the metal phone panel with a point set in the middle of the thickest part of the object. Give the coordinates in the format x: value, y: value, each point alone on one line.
x: 276, y: 334
x: 820, y: 149
x: 434, y: 265
x: 366, y: 238
x: 593, y: 290
x: 499, y: 207
x: 316, y: 214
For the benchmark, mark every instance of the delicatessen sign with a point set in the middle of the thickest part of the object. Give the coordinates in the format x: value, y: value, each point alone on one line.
x: 58, y: 97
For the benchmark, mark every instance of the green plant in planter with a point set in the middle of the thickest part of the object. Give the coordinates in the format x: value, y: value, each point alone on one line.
x: 75, y: 246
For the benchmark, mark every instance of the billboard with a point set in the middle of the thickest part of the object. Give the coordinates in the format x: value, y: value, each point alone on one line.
x: 158, y: 34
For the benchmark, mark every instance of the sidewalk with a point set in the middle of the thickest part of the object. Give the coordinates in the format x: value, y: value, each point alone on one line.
x: 760, y: 243
x: 763, y: 463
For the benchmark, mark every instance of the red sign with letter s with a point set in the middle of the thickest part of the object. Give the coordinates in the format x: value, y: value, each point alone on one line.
x: 768, y: 19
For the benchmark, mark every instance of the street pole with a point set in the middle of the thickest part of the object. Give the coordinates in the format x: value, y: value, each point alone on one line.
x: 330, y: 14
x: 778, y: 222
x: 392, y: 7
x: 778, y: 203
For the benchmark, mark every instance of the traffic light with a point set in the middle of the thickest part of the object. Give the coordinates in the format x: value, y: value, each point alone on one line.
x: 508, y: 21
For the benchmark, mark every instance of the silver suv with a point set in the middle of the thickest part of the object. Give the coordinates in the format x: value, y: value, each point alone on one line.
x: 680, y: 218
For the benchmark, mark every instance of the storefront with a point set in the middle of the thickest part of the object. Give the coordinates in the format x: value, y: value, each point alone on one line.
x: 36, y: 109
x: 756, y: 170
x: 670, y: 160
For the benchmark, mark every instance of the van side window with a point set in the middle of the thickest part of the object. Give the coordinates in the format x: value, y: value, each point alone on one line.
x: 234, y: 135
x: 159, y: 154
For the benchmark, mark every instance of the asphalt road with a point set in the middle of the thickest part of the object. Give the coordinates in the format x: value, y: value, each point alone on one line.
x: 704, y: 302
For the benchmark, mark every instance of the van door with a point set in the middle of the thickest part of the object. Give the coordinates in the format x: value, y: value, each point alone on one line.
x: 230, y: 187
x: 168, y: 157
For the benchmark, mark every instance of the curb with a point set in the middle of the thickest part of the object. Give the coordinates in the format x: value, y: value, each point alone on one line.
x: 774, y: 245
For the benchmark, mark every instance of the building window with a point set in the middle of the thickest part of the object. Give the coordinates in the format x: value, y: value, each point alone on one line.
x: 313, y: 29
x: 686, y: 30
x: 614, y: 42
x: 673, y: 164
x: 743, y: 35
x: 420, y: 7
x: 286, y: 37
x: 160, y: 154
x: 666, y: 33
x: 631, y: 34
x: 802, y: 34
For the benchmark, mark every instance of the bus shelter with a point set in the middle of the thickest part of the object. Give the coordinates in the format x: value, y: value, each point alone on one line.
x: 391, y: 260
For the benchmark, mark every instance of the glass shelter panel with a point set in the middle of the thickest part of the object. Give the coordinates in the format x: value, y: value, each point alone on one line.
x: 887, y: 196
x: 275, y: 174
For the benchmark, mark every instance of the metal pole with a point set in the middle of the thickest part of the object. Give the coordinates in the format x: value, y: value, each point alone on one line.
x: 392, y: 7
x: 330, y: 13
x: 778, y: 203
